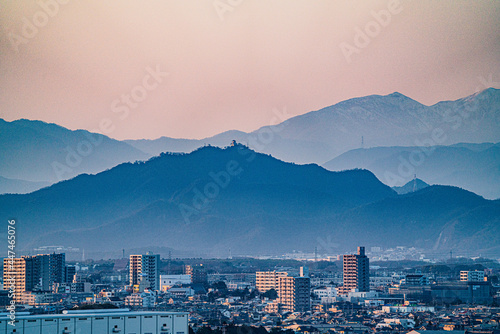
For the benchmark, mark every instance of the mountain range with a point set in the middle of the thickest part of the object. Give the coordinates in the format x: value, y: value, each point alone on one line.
x: 213, y: 200
x: 375, y: 120
x: 475, y: 167
x: 39, y: 154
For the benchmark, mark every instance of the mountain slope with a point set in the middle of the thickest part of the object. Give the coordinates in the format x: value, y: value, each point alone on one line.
x: 391, y: 120
x: 14, y: 186
x: 214, y: 199
x: 472, y: 167
x: 42, y: 152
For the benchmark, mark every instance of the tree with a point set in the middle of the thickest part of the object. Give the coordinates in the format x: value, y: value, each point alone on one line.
x: 271, y: 294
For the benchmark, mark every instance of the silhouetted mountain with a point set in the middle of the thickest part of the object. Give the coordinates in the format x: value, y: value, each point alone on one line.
x: 391, y: 120
x: 14, y: 186
x: 42, y: 152
x: 215, y: 199
x: 475, y: 167
x: 411, y: 186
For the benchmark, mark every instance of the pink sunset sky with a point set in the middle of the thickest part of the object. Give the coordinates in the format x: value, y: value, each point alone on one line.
x: 231, y: 62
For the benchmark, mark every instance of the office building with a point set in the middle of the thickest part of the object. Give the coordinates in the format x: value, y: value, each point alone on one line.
x: 356, y: 272
x: 267, y: 280
x: 145, y: 267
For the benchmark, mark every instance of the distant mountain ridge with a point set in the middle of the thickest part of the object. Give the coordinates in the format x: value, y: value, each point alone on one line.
x: 391, y: 120
x: 475, y: 167
x: 214, y: 199
x: 40, y: 152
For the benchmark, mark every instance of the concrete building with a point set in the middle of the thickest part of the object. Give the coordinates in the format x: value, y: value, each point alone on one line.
x: 145, y: 267
x: 472, y: 276
x: 99, y: 322
x: 294, y: 294
x: 43, y: 270
x: 356, y: 272
x: 267, y: 280
x: 327, y: 294
x: 14, y: 276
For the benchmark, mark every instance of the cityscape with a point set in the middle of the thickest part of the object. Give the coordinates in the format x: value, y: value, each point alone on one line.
x: 250, y: 167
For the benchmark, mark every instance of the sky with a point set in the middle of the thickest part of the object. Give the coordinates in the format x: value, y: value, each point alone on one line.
x: 192, y: 69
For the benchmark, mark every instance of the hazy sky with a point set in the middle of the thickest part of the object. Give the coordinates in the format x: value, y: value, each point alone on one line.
x: 231, y: 62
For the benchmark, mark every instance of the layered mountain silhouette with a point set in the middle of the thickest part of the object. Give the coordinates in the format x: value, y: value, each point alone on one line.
x: 475, y: 167
x: 375, y: 120
x: 40, y: 152
x: 214, y: 199
x: 35, y: 151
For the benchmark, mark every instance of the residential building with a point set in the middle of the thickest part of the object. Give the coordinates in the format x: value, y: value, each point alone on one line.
x: 145, y: 267
x: 14, y: 276
x: 267, y: 280
x: 472, y: 276
x: 356, y: 272
x: 294, y: 294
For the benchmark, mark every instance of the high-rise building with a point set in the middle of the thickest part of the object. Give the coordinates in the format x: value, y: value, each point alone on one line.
x: 43, y: 270
x: 294, y: 294
x: 145, y: 267
x: 14, y: 276
x: 69, y: 275
x: 267, y: 280
x: 57, y: 267
x: 356, y: 270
